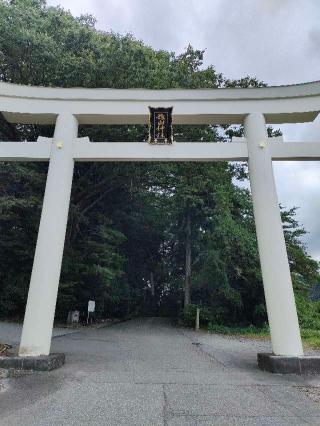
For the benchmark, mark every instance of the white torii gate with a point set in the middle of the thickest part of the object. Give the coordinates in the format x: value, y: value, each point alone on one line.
x: 67, y: 108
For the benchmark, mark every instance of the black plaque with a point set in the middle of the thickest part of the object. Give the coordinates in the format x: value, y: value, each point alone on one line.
x: 160, y: 128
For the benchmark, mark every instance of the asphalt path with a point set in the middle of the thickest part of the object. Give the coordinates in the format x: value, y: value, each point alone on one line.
x: 10, y: 332
x: 149, y: 372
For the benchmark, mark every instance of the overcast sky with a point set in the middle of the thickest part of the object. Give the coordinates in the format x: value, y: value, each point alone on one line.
x: 277, y: 41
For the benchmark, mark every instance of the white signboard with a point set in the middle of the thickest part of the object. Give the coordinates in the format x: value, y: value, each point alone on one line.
x: 91, y: 306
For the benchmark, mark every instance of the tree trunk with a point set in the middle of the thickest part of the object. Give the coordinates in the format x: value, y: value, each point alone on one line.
x: 187, y: 286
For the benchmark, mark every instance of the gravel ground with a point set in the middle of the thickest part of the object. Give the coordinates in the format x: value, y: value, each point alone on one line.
x: 148, y: 372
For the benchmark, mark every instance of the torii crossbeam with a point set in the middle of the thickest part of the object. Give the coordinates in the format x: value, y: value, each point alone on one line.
x: 67, y: 108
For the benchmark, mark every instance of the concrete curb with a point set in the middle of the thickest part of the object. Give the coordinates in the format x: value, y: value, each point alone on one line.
x: 302, y: 365
x: 32, y: 363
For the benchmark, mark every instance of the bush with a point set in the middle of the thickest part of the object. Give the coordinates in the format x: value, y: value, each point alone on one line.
x: 308, y: 311
x: 249, y: 331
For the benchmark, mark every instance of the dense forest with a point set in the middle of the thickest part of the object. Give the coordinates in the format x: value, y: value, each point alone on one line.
x: 142, y: 238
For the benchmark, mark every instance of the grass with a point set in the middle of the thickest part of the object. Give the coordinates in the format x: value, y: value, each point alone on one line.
x: 310, y: 337
x: 249, y: 332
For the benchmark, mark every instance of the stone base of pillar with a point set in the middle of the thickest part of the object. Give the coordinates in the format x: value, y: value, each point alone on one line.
x: 289, y: 364
x: 35, y: 363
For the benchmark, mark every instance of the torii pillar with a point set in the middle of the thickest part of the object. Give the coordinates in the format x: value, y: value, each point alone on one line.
x: 281, y: 307
x: 43, y: 290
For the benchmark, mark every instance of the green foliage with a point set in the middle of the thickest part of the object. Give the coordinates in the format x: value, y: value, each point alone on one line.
x: 251, y: 331
x: 127, y: 221
x: 308, y: 314
x: 308, y: 311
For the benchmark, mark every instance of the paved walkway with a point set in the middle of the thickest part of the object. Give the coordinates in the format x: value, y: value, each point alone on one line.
x: 10, y: 332
x: 147, y: 372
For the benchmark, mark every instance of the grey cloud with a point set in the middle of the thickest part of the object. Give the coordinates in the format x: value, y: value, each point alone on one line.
x: 314, y: 41
x: 159, y: 26
x: 269, y: 39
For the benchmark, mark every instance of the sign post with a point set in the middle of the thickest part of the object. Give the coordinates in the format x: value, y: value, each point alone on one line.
x: 91, y: 308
